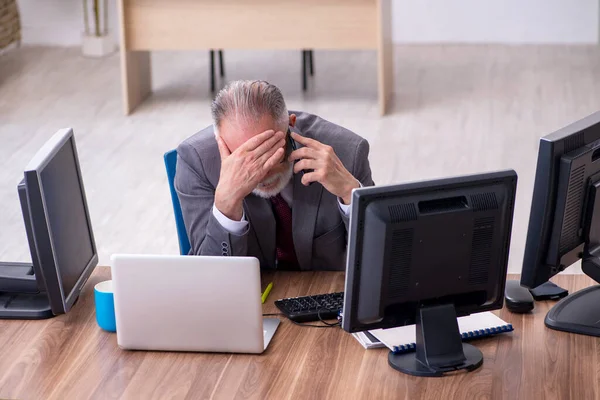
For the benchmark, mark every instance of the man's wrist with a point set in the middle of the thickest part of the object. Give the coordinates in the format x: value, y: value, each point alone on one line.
x: 232, y: 211
x: 347, y: 198
x: 229, y: 207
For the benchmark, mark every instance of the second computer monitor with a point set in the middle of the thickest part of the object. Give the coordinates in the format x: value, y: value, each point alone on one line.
x: 59, y: 231
x: 60, y: 221
x: 428, y: 244
x: 564, y: 225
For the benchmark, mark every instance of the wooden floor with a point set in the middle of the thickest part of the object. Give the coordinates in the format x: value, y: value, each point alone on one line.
x: 457, y: 110
x: 70, y: 357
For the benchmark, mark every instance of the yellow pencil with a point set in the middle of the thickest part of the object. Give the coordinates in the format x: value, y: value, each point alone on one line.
x: 266, y: 292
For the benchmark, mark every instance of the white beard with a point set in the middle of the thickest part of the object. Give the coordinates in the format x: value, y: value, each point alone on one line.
x: 280, y: 181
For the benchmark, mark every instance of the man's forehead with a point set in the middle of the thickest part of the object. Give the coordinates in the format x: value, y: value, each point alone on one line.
x: 236, y: 132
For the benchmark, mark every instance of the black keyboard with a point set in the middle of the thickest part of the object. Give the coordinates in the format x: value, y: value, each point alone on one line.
x: 312, y: 308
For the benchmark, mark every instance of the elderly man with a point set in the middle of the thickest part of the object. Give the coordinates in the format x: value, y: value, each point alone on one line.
x: 266, y: 183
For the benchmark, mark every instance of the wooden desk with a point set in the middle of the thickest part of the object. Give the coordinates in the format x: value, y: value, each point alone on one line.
x: 149, y: 25
x: 69, y: 357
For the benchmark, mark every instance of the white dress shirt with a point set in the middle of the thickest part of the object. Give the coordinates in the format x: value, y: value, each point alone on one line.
x: 240, y: 227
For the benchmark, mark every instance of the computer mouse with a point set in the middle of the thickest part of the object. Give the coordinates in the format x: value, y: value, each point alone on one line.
x: 517, y: 298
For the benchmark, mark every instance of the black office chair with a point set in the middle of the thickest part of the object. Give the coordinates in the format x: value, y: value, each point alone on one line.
x: 212, y: 68
x: 307, y: 60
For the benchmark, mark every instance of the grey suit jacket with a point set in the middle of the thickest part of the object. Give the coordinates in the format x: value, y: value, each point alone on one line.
x: 319, y: 226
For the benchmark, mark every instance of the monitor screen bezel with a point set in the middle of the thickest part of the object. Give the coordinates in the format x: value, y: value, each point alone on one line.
x: 41, y: 226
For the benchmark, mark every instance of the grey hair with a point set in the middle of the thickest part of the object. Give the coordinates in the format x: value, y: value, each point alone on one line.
x: 247, y: 102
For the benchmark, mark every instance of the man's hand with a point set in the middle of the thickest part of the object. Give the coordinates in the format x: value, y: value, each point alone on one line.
x: 327, y: 168
x: 245, y: 168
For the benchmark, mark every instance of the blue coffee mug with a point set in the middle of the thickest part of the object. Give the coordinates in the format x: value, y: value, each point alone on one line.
x: 105, y: 306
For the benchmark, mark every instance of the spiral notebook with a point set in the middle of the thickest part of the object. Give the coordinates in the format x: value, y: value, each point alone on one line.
x: 474, y: 326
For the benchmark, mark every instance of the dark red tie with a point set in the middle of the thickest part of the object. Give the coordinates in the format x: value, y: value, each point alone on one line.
x: 286, y: 253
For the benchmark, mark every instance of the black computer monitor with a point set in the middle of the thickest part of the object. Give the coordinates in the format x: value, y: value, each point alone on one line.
x: 564, y: 225
x: 426, y: 253
x: 59, y: 232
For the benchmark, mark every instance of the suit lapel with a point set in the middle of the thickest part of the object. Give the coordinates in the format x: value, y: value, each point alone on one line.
x: 262, y: 220
x: 305, y: 205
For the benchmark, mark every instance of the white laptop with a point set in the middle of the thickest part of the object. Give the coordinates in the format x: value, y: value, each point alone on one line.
x: 190, y: 303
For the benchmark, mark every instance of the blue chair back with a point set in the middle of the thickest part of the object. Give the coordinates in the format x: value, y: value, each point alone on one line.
x: 171, y: 165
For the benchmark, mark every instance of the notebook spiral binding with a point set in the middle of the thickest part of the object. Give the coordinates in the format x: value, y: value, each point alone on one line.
x: 477, y: 334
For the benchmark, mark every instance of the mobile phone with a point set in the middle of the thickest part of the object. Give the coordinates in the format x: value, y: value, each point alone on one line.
x: 293, y: 147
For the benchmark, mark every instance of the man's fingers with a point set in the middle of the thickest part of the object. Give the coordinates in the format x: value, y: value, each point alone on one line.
x: 305, y: 164
x: 306, y: 141
x: 274, y: 159
x: 310, y: 177
x: 270, y: 151
x: 257, y: 140
x: 223, y: 149
x: 304, y: 152
x: 276, y: 141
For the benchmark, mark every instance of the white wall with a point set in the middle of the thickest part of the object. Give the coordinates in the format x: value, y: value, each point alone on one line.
x: 496, y: 21
x: 60, y: 22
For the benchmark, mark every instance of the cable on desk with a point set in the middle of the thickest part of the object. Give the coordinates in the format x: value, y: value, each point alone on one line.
x: 325, y: 323
x: 314, y: 326
x: 338, y: 323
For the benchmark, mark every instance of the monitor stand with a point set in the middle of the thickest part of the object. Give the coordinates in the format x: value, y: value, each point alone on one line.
x: 577, y: 313
x: 548, y: 291
x: 19, y: 294
x: 439, y: 347
x: 580, y: 312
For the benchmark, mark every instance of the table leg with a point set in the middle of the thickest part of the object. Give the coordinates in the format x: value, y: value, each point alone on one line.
x: 304, y: 61
x: 221, y: 65
x: 385, y: 54
x: 212, y: 71
x: 136, y: 78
